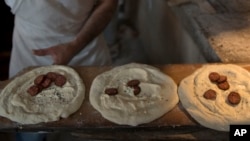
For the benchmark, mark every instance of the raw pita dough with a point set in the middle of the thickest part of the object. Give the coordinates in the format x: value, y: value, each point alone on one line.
x: 216, y: 114
x: 158, y: 94
x: 49, y: 105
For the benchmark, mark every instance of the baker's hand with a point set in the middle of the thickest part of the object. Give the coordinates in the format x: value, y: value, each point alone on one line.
x: 61, y: 54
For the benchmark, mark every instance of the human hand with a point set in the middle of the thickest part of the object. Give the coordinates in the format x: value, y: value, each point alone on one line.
x: 61, y: 54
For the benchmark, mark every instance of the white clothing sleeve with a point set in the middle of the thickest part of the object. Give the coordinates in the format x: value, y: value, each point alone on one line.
x: 14, y: 5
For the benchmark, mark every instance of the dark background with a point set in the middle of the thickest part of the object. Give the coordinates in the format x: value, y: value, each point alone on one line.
x: 7, y: 23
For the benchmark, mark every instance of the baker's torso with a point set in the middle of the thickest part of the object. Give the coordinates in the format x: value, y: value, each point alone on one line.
x: 44, y: 23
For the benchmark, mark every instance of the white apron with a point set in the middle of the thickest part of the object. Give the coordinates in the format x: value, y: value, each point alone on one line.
x: 44, y: 23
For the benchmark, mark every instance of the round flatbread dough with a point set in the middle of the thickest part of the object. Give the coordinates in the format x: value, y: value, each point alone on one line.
x: 158, y: 94
x: 49, y: 105
x: 217, y: 113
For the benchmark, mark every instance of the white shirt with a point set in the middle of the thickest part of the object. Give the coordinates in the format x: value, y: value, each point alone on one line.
x: 44, y: 23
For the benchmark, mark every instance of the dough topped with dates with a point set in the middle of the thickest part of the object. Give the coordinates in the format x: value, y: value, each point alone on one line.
x: 217, y: 95
x: 43, y: 94
x: 133, y: 94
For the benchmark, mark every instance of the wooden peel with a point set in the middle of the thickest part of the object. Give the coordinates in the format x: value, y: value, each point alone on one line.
x: 89, y: 124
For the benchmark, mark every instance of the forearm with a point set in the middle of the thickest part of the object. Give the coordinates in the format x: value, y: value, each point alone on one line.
x: 95, y: 24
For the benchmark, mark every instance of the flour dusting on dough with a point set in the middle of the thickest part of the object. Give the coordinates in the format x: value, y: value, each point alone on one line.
x: 49, y: 105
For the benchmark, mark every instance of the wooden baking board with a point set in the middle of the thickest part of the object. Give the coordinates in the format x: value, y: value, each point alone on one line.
x: 88, y: 119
